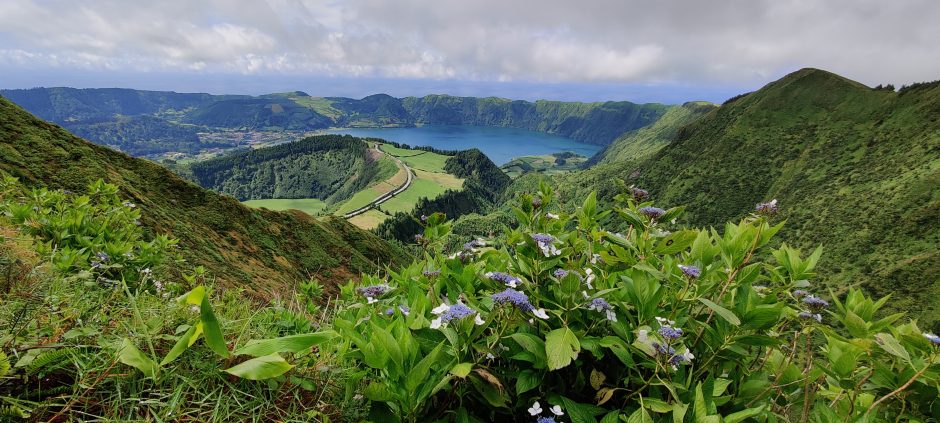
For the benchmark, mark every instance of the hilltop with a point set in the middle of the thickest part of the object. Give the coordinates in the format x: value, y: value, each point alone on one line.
x: 263, y: 251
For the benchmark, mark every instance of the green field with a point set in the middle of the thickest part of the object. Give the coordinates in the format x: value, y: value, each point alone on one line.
x: 406, y: 201
x: 310, y: 206
x: 548, y: 164
x: 418, y: 159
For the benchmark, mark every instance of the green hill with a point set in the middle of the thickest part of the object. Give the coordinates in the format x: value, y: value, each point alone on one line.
x: 325, y: 167
x: 262, y: 251
x: 258, y: 114
x: 855, y: 169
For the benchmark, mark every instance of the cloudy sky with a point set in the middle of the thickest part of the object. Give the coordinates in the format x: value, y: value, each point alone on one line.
x: 643, y: 50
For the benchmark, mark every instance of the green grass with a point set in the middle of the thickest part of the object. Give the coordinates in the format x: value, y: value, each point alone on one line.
x: 418, y: 159
x: 310, y: 206
x: 545, y: 164
x: 319, y: 105
x: 406, y: 201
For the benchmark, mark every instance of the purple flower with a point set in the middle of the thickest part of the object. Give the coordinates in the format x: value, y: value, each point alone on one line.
x: 546, y: 243
x: 373, y: 291
x: 799, y: 293
x: 431, y: 273
x: 536, y: 202
x: 934, y: 339
x: 102, y: 256
x: 505, y: 278
x: 560, y: 273
x: 389, y: 311
x: 545, y: 420
x: 663, y: 349
x: 472, y: 245
x: 815, y: 303
x: 670, y: 333
x: 404, y: 309
x: 419, y: 239
x: 690, y: 271
x: 601, y: 305
x: 424, y: 218
x: 808, y: 315
x: 652, y: 212
x: 516, y: 298
x: 639, y: 194
x: 769, y: 208
x: 456, y: 312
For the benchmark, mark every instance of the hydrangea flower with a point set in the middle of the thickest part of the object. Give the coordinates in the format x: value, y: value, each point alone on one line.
x: 560, y: 273
x: 520, y: 301
x: 769, y: 208
x: 601, y: 305
x: 432, y: 273
x: 510, y: 280
x: 652, y: 212
x: 690, y: 271
x: 424, y: 218
x: 473, y: 245
x: 449, y: 313
x: 545, y: 420
x: 552, y: 216
x: 934, y: 339
x: 799, y: 293
x: 670, y: 333
x: 419, y: 239
x: 546, y: 243
x: 535, y: 409
x: 536, y: 202
x: 389, y: 311
x: 373, y: 292
x: 556, y: 410
x: 639, y: 194
x: 590, y: 277
x: 404, y: 309
x: 815, y: 303
x: 808, y: 315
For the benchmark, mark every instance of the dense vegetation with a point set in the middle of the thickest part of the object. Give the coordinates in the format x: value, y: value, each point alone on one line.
x: 258, y: 114
x: 556, y: 320
x: 261, y: 251
x: 854, y: 169
x: 143, y: 135
x: 325, y: 167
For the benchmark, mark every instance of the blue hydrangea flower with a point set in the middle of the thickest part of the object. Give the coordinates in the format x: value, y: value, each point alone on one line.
x: 102, y: 256
x: 768, y: 208
x: 473, y: 245
x: 561, y: 273
x: 815, y: 303
x: 808, y: 315
x: 431, y: 273
x: 670, y: 333
x: 545, y: 420
x: 510, y: 280
x: 546, y: 243
x: 404, y: 309
x: 652, y: 212
x: 389, y: 311
x: 664, y: 350
x: 639, y: 194
x: 690, y: 271
x: 799, y: 293
x: 516, y: 298
x: 934, y: 339
x: 601, y: 305
x: 373, y: 291
x: 450, y: 313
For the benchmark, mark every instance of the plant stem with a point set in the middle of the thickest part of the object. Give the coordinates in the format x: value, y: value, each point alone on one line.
x: 897, y: 391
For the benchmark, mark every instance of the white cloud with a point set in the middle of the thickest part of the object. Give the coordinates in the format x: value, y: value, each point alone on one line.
x: 546, y: 40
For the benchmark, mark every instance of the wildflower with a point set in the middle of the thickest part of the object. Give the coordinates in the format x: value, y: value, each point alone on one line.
x: 769, y: 208
x: 545, y: 420
x: 799, y: 293
x: 505, y: 278
x: 552, y: 216
x: 808, y: 315
x: 663, y: 349
x: 556, y: 410
x: 932, y: 338
x: 424, y: 218
x: 102, y: 256
x: 560, y: 273
x: 536, y: 202
x: 450, y: 313
x: 373, y: 292
x: 419, y: 239
x: 431, y: 273
x: 516, y: 298
x: 540, y: 313
x: 404, y: 309
x: 670, y: 333
x: 535, y: 409
x: 129, y: 205
x: 664, y: 321
x: 194, y: 308
x: 590, y: 278
x: 546, y: 244
x: 652, y: 212
x: 601, y: 305
x: 473, y: 245
x: 690, y: 271
x: 490, y: 356
x: 389, y: 312
x: 815, y: 303
x: 639, y: 194
x: 596, y: 258
x: 643, y: 336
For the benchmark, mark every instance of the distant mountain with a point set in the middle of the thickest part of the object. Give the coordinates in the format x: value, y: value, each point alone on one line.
x: 262, y: 251
x: 97, y: 114
x: 854, y: 169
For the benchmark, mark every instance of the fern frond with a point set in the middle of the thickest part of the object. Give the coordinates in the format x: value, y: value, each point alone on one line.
x: 50, y: 360
x: 12, y: 413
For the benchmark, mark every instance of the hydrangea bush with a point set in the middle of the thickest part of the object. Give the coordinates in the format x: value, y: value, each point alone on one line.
x: 562, y: 320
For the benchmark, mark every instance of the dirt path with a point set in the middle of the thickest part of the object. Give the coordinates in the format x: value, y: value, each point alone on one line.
x: 384, y: 197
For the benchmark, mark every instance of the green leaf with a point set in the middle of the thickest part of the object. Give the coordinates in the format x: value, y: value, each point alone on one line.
x: 131, y: 356
x: 743, y: 415
x: 640, y: 416
x: 388, y: 344
x: 656, y: 405
x: 261, y: 368
x: 527, y: 380
x: 534, y: 345
x: 561, y: 347
x: 676, y: 242
x: 185, y: 341
x: 193, y: 297
x: 763, y: 316
x: 212, y: 330
x: 890, y: 344
x: 286, y: 344
x: 420, y: 371
x: 461, y: 370
x: 723, y: 312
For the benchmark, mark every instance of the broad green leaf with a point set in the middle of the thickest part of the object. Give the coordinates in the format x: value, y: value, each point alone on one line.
x: 676, y: 242
x: 193, y: 297
x: 656, y: 405
x: 461, y: 370
x: 527, y: 380
x: 420, y: 371
x: 261, y: 368
x: 561, y: 346
x: 640, y: 416
x: 580, y: 413
x: 377, y: 391
x: 388, y: 344
x: 743, y: 415
x: 723, y: 312
x: 890, y: 344
x: 285, y: 344
x: 131, y: 356
x: 211, y: 329
x: 185, y: 341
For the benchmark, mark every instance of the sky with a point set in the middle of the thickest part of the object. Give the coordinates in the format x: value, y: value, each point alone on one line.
x: 585, y: 50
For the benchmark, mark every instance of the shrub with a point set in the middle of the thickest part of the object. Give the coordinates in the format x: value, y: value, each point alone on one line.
x: 655, y: 324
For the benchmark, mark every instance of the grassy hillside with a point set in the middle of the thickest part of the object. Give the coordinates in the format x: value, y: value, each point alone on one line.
x: 326, y: 167
x: 855, y: 169
x: 262, y: 251
x: 258, y: 114
x: 548, y: 164
x: 639, y: 144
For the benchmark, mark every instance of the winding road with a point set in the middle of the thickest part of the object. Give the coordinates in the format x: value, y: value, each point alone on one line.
x: 384, y: 197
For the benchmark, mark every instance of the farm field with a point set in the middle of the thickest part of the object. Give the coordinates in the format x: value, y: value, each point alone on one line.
x: 311, y: 206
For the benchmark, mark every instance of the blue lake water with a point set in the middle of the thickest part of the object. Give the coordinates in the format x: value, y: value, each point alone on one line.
x: 499, y: 144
